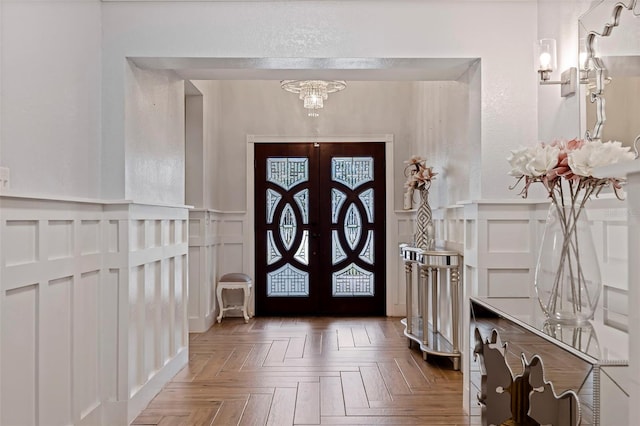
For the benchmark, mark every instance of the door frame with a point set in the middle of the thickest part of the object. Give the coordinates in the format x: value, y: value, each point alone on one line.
x: 390, y: 252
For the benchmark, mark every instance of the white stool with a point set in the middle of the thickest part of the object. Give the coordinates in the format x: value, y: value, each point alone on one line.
x: 234, y: 281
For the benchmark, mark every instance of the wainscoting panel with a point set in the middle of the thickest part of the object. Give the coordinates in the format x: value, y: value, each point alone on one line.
x: 616, y: 302
x: 61, y: 243
x: 20, y: 356
x: 89, y: 242
x: 216, y: 247
x: 508, y: 236
x: 609, y: 225
x: 86, y: 343
x: 396, y: 288
x: 56, y: 342
x: 500, y: 241
x: 25, y: 247
x: 92, y: 314
x: 508, y: 282
x: 158, y: 281
x: 201, y: 307
x: 196, y: 276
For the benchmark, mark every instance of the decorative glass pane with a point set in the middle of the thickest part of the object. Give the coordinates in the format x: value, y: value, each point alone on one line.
x: 353, y: 226
x: 273, y: 254
x: 302, y: 199
x: 287, y: 281
x: 302, y: 254
x: 367, y: 199
x: 337, y: 253
x: 287, y: 172
x: 367, y: 252
x: 273, y: 198
x: 353, y: 281
x: 352, y: 171
x: 337, y: 199
x: 287, y: 226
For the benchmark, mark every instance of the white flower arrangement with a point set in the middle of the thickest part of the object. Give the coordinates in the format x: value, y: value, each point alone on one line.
x: 572, y: 162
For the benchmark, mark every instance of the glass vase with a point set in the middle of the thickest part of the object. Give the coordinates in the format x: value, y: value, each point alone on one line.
x: 567, y: 276
x: 424, y: 236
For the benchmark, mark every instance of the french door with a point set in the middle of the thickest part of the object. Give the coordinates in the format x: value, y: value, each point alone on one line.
x: 320, y: 229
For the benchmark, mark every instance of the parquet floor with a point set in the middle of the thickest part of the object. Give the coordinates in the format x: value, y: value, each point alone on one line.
x: 308, y: 371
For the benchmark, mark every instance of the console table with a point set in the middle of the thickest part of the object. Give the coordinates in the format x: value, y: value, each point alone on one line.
x: 590, y: 360
x: 435, y: 269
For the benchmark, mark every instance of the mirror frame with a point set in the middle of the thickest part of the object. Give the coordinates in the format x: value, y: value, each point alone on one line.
x: 595, y: 64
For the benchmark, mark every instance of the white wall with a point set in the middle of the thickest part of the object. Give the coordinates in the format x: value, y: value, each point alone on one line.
x: 64, y: 38
x: 263, y: 108
x: 213, y: 106
x: 50, y: 105
x: 154, y: 136
x: 337, y: 30
x: 559, y: 117
x: 444, y: 134
x: 195, y: 165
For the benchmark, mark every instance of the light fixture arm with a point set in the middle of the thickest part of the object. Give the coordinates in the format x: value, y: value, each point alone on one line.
x: 568, y: 81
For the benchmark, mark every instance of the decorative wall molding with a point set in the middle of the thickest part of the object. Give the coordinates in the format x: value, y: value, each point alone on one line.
x: 203, y: 245
x: 216, y: 247
x: 89, y: 289
x: 92, y: 308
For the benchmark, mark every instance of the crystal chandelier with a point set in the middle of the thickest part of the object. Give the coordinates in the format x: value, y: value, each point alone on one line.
x: 313, y: 92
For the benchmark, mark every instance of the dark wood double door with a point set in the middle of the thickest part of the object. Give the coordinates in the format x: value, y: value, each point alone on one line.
x: 320, y: 228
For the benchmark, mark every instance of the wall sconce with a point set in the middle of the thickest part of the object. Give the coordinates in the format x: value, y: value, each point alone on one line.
x: 583, y: 60
x: 547, y: 64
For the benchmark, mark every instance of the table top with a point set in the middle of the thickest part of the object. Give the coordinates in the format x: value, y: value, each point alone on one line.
x: 416, y: 254
x: 593, y: 341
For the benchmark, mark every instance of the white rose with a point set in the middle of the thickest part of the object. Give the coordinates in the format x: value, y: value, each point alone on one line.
x: 597, y: 154
x: 542, y: 158
x: 518, y: 160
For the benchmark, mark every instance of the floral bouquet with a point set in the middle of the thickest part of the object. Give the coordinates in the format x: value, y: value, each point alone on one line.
x: 418, y: 174
x: 571, y: 162
x: 419, y: 178
x: 567, y: 277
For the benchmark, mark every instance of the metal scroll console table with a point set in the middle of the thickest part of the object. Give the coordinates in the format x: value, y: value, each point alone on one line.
x: 436, y: 268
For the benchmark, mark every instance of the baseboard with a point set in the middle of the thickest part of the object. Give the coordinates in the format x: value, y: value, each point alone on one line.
x: 149, y: 390
x: 113, y: 413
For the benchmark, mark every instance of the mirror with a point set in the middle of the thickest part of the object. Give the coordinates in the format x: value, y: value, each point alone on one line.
x: 610, y: 46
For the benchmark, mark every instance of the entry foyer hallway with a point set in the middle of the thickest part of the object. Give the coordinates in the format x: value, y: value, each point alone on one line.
x: 308, y: 371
